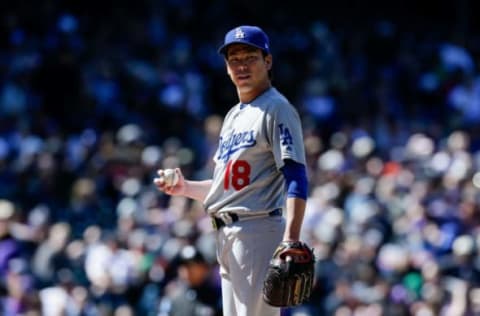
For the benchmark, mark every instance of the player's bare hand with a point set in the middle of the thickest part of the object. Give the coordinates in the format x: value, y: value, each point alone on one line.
x: 170, y: 181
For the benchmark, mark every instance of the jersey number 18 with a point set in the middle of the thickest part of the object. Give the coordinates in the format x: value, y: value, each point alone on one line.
x: 237, y: 173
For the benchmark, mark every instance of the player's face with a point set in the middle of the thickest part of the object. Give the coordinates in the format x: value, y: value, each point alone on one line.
x: 248, y: 68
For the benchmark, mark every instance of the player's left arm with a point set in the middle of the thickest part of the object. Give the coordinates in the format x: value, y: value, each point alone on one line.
x: 297, y: 186
x: 295, y: 209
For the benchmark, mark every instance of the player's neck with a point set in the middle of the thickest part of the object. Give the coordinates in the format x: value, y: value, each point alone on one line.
x: 247, y: 96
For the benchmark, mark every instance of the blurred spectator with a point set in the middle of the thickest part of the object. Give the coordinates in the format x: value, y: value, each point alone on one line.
x: 10, y: 248
x: 192, y: 291
x: 21, y: 297
x: 65, y: 297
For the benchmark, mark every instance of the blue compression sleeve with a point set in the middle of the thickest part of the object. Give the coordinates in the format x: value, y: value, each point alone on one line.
x: 295, y: 178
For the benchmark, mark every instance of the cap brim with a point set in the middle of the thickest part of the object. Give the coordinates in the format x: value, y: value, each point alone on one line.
x: 223, y: 49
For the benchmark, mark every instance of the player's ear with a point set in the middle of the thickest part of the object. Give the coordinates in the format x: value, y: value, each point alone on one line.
x: 228, y: 68
x: 269, y: 61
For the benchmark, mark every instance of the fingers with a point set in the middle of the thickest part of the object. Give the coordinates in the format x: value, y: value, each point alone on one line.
x: 160, y: 180
x: 161, y: 184
x: 169, y: 190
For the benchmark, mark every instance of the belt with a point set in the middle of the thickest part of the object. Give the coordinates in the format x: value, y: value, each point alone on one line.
x: 230, y: 217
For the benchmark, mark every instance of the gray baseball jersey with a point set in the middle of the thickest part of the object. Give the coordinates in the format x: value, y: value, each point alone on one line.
x: 254, y: 140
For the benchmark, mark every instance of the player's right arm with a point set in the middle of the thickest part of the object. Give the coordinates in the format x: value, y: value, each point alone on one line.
x: 196, y: 190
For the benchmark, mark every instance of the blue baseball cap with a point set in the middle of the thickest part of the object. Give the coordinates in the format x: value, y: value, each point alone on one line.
x: 246, y: 34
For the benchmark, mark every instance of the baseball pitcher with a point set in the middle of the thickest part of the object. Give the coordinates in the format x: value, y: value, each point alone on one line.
x: 256, y: 197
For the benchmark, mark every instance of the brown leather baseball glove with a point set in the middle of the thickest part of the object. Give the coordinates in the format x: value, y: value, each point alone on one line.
x: 289, y: 278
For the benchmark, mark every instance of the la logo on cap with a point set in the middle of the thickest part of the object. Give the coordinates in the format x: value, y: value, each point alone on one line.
x: 239, y: 33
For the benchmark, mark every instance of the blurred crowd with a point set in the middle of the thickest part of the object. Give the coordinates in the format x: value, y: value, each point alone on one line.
x: 95, y: 97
